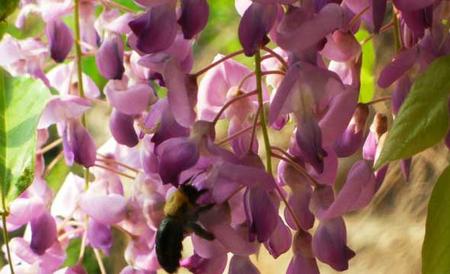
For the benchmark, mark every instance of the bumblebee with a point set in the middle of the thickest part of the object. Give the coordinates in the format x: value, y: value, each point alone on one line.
x: 181, y: 214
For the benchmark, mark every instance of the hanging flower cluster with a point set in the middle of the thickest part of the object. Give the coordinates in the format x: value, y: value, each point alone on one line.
x: 306, y: 77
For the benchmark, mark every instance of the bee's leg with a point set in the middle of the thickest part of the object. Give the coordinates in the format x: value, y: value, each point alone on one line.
x: 200, y: 231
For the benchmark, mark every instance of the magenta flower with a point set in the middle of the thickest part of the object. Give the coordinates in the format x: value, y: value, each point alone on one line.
x: 99, y: 236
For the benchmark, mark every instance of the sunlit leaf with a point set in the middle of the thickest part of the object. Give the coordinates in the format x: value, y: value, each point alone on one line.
x: 22, y: 100
x: 423, y: 118
x: 367, y: 68
x: 128, y: 4
x: 436, y: 246
x: 7, y: 7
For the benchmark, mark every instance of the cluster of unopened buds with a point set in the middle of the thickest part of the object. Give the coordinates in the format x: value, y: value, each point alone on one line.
x: 306, y: 82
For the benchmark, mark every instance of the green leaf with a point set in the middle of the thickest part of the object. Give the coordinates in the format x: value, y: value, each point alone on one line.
x: 72, y: 251
x: 90, y: 68
x: 129, y: 4
x: 367, y: 89
x: 7, y: 7
x: 57, y: 175
x: 21, y: 103
x: 423, y: 118
x: 436, y: 246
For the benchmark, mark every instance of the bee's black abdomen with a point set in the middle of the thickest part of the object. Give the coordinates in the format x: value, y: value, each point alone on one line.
x: 169, y: 244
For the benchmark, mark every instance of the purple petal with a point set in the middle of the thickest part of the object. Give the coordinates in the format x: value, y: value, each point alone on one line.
x: 254, y: 26
x: 130, y: 100
x: 242, y: 265
x: 176, y: 155
x: 341, y: 46
x: 182, y: 93
x: 357, y: 192
x: 217, y: 221
x: 349, y: 142
x: 207, y: 249
x: 61, y: 108
x: 78, y: 145
x: 43, y: 233
x: 262, y: 215
x: 330, y: 244
x: 167, y: 125
x: 197, y: 264
x: 194, y: 17
x: 303, y: 260
x: 338, y: 115
x: 23, y: 210
x: 401, y: 63
x: 378, y: 12
x: 109, y: 58
x: 122, y: 129
x: 106, y: 209
x: 60, y: 39
x: 409, y: 5
x: 400, y: 93
x: 309, y: 139
x: 329, y: 18
x: 299, y: 202
x: 353, y: 137
x: 99, y: 235
x: 280, y: 240
x: 156, y: 29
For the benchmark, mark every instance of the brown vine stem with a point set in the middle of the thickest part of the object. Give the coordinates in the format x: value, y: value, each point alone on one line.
x: 379, y: 100
x: 115, y: 171
x: 251, y: 74
x: 357, y: 16
x: 49, y: 147
x: 265, y: 133
x: 253, y: 136
x: 276, y: 55
x: 229, y: 138
x: 99, y: 261
x: 53, y: 163
x: 223, y: 59
x: 298, y: 167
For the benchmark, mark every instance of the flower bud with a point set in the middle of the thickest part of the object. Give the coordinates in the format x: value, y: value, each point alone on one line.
x: 122, y: 129
x: 43, y: 233
x: 60, y: 39
x: 194, y: 17
x: 156, y: 29
x: 109, y: 58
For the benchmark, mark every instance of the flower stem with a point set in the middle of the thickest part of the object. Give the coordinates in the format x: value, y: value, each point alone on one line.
x: 262, y: 117
x: 218, y: 62
x: 397, y: 39
x: 78, y: 53
x: 6, y: 237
